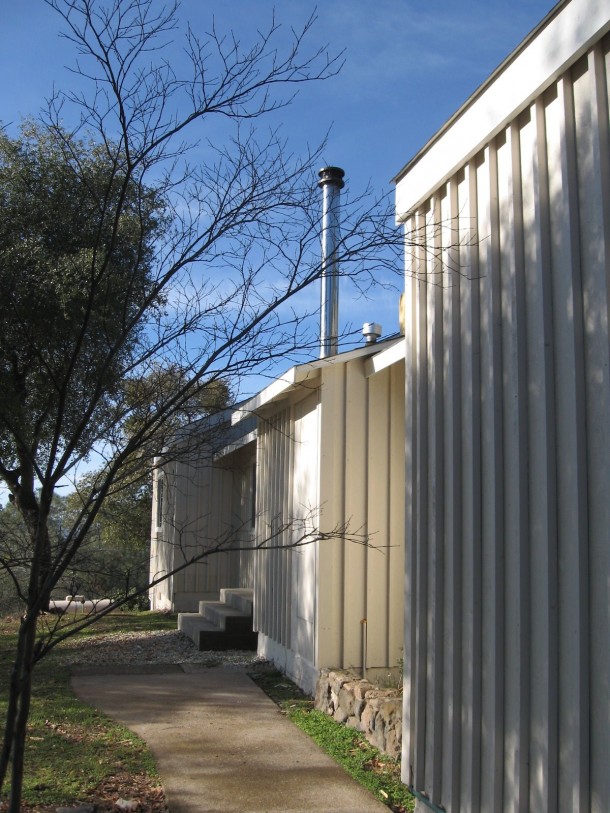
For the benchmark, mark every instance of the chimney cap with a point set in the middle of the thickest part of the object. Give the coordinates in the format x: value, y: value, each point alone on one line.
x: 332, y: 175
x: 371, y: 331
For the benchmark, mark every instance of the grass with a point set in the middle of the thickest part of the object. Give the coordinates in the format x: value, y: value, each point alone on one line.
x: 71, y: 749
x: 377, y: 772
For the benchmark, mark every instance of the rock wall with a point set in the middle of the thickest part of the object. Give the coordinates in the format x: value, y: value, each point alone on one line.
x: 375, y: 712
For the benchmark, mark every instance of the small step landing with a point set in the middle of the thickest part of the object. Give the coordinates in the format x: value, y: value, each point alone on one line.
x: 224, y: 624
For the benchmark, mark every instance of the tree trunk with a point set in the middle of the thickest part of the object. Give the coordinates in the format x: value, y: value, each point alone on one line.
x: 18, y: 712
x: 11, y: 713
x: 20, y: 693
x: 7, y: 743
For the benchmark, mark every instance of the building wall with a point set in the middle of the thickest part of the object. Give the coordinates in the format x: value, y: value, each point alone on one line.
x: 205, y: 508
x: 242, y: 465
x: 287, y: 511
x: 507, y: 653
x: 362, y: 488
x: 333, y: 460
x: 274, y: 509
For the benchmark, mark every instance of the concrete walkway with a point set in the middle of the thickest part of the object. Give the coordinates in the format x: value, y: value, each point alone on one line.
x: 221, y: 745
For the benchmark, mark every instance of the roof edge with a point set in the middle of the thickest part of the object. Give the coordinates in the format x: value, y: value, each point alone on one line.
x: 307, y: 372
x: 560, y: 39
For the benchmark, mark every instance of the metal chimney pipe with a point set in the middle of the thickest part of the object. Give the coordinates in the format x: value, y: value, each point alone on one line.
x: 331, y: 182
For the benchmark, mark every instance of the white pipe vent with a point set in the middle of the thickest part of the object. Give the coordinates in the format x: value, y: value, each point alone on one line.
x: 371, y: 332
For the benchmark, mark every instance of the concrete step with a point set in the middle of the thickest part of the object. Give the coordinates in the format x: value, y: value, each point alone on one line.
x: 224, y: 624
x: 225, y: 618
x: 241, y: 598
x: 219, y: 641
x: 192, y: 624
x: 208, y: 637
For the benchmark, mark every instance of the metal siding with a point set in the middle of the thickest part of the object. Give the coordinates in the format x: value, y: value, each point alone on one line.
x: 338, y: 452
x: 283, y: 453
x: 492, y: 486
x: 472, y: 432
x: 469, y: 338
x: 573, y: 643
x: 452, y: 507
x: 592, y: 161
x: 330, y: 560
x: 277, y: 517
x: 515, y: 445
x: 201, y: 513
x: 260, y: 580
x: 303, y: 485
x: 508, y: 433
x: 276, y: 522
x: 411, y: 617
x: 373, y: 483
x: 421, y: 518
x: 599, y: 420
x: 356, y: 508
x: 396, y: 509
x: 439, y: 626
x: 377, y: 552
x: 542, y: 429
x: 240, y: 560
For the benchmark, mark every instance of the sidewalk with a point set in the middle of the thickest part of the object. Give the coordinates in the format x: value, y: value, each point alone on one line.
x: 221, y: 745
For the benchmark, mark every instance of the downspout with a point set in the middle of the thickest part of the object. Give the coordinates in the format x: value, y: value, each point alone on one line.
x: 331, y: 182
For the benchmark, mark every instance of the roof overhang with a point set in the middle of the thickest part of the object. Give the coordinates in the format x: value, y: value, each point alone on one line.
x: 236, y: 445
x: 380, y: 361
x: 307, y: 375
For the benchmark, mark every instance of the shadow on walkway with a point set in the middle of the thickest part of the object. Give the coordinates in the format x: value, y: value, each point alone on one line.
x: 222, y: 746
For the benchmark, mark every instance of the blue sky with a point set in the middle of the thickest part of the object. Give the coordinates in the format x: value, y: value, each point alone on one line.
x: 409, y: 66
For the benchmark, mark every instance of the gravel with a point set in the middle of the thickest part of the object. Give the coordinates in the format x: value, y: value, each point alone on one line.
x: 157, y: 647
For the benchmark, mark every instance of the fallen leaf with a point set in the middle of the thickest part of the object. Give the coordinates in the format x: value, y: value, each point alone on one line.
x: 127, y: 805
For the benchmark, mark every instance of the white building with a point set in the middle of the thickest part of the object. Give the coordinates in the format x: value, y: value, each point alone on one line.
x: 507, y: 640
x: 330, y: 458
x: 318, y: 455
x: 203, y: 500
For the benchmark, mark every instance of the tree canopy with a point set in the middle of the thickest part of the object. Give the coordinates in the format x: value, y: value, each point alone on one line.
x: 76, y: 242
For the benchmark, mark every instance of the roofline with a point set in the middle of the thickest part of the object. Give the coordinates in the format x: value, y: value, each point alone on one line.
x: 480, y: 89
x: 301, y: 373
x: 558, y: 44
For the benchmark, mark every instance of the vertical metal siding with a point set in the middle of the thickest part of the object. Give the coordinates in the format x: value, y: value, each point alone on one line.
x: 507, y: 622
x: 378, y: 554
x: 396, y: 516
x: 354, y: 448
x: 362, y: 489
x: 201, y: 518
x: 331, y: 559
x: 304, y: 487
x: 241, y: 559
x: 356, y: 498
x: 599, y: 470
x: 273, y: 512
x: 204, y: 508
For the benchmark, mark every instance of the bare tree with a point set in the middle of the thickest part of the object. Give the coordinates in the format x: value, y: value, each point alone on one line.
x: 132, y: 244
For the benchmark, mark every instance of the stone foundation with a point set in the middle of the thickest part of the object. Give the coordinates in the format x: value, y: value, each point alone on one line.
x: 375, y: 712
